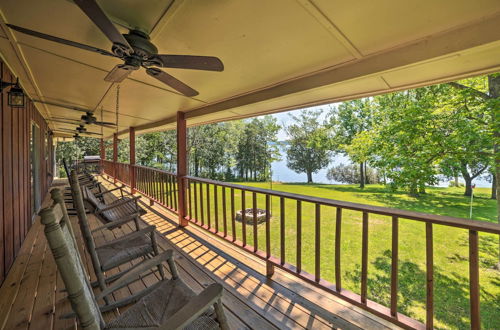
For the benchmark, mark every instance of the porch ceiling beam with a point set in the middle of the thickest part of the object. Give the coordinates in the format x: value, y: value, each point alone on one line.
x: 444, y: 44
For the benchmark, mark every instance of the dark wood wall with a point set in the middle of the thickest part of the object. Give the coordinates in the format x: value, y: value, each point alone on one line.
x: 16, y: 212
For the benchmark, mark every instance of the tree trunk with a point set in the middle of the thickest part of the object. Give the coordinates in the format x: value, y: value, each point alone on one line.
x: 309, y: 177
x: 494, y: 187
x: 456, y: 181
x: 414, y: 189
x: 361, y: 175
x: 494, y: 91
x: 196, y: 166
x: 467, y: 179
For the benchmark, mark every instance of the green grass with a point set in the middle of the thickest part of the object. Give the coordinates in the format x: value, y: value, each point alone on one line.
x: 451, y: 286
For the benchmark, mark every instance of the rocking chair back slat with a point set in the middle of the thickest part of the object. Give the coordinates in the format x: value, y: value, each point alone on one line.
x: 69, y: 264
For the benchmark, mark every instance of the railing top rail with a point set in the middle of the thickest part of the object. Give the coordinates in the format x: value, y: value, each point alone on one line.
x: 141, y: 166
x: 155, y: 169
x: 412, y: 215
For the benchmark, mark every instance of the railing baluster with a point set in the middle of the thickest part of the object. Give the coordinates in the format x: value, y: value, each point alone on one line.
x: 224, y: 210
x: 169, y: 192
x: 162, y: 188
x: 299, y: 236
x: 394, y: 266
x: 268, y: 226
x: 216, y: 209
x: 208, y: 206
x: 233, y: 215
x: 190, y: 198
x: 317, y: 273
x: 475, y: 320
x: 364, y: 259
x: 176, y: 193
x: 282, y: 230
x: 149, y: 183
x: 201, y: 204
x: 255, y: 241
x: 155, y: 184
x: 243, y: 218
x: 165, y: 190
x: 195, y: 192
x: 429, y: 253
x: 338, y: 235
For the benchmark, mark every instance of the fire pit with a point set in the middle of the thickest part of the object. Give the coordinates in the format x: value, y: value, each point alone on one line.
x: 261, y: 215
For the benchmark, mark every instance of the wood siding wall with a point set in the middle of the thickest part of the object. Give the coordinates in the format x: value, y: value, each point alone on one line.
x: 16, y: 212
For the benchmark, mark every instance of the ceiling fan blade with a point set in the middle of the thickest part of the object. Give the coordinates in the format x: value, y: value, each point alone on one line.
x: 171, y: 81
x: 66, y: 130
x: 60, y: 40
x: 105, y: 123
x: 209, y: 63
x: 97, y: 15
x: 64, y: 106
x: 90, y: 133
x: 65, y: 121
x: 117, y: 74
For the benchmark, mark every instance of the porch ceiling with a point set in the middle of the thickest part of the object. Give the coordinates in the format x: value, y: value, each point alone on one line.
x: 278, y: 55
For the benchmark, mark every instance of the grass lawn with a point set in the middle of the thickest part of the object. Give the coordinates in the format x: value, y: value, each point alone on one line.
x: 451, y: 272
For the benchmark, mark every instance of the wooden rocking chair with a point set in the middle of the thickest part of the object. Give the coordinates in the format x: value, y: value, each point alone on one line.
x: 139, y: 244
x: 171, y: 304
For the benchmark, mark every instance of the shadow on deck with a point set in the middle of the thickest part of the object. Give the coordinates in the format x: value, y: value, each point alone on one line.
x: 31, y: 295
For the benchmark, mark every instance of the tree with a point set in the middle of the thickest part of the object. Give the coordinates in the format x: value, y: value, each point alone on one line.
x: 491, y: 100
x: 308, y: 146
x: 409, y: 138
x: 75, y: 150
x: 350, y: 174
x: 346, y: 122
x: 257, y: 148
x: 157, y: 149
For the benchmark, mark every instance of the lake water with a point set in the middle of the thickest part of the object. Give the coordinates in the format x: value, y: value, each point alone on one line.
x: 282, y: 173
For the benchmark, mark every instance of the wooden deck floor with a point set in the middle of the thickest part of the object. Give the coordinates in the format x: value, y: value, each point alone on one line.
x: 31, y: 297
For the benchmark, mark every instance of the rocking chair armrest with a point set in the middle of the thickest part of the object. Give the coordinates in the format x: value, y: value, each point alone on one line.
x: 196, y: 306
x: 127, y: 237
x: 133, y: 274
x: 118, y: 203
x: 107, y: 191
x: 118, y: 222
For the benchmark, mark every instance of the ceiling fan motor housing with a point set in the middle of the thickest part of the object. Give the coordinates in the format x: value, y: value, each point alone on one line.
x: 139, y: 41
x: 89, y: 118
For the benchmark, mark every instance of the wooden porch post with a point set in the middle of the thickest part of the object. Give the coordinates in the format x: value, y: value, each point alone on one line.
x: 132, y: 159
x: 115, y: 155
x: 181, y: 166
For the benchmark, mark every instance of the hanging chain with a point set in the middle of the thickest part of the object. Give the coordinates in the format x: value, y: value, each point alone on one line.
x: 102, y: 127
x: 117, y: 104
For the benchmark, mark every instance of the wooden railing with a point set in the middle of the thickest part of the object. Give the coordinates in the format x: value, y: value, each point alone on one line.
x: 159, y: 186
x: 213, y: 205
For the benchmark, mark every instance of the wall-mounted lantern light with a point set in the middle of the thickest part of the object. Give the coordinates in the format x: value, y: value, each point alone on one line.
x: 15, y: 95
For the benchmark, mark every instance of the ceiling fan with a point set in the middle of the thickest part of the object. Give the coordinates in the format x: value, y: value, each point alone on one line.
x: 79, y: 130
x: 87, y: 119
x: 136, y: 51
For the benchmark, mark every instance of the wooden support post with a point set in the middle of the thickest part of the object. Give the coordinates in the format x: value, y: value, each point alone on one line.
x: 132, y: 159
x: 181, y: 167
x: 269, y: 269
x: 115, y: 155
x: 103, y: 155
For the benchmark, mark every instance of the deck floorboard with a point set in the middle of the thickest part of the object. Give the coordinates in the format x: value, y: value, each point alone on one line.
x: 31, y: 297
